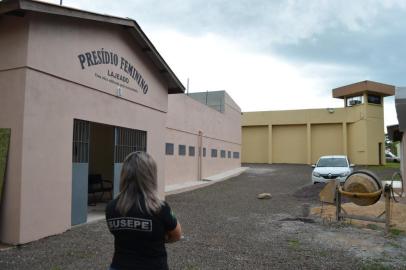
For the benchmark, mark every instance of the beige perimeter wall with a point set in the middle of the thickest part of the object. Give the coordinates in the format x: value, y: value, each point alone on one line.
x: 302, y: 136
x: 289, y: 144
x: 257, y: 139
x: 327, y: 139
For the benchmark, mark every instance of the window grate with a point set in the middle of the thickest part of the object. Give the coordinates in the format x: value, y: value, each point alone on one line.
x: 80, y: 147
x: 127, y: 141
x: 169, y: 149
x: 191, y: 151
x: 182, y: 150
x: 223, y: 153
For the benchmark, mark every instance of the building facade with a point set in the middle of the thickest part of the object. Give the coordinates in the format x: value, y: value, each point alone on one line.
x: 302, y: 136
x: 80, y: 91
x: 203, y: 136
x: 400, y: 103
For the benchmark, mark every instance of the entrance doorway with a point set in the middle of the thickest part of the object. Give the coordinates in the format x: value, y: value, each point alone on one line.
x: 97, y: 156
x: 101, y: 169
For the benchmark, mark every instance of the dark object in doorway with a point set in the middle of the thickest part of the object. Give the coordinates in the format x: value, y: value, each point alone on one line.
x: 98, y: 185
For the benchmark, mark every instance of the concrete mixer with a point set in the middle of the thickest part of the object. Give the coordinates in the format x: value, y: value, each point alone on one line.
x: 363, y: 188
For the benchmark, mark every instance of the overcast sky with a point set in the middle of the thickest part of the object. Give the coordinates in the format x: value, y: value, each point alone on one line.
x: 273, y: 55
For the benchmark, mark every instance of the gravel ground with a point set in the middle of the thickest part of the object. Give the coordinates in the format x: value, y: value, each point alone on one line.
x: 226, y: 227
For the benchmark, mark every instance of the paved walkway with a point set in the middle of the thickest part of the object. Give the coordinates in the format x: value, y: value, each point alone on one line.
x: 192, y: 185
x: 227, y: 227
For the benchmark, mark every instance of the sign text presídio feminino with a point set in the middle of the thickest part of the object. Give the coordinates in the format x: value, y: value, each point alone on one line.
x: 104, y: 57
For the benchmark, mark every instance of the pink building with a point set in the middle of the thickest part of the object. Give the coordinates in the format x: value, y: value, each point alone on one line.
x: 80, y: 91
x: 203, y: 137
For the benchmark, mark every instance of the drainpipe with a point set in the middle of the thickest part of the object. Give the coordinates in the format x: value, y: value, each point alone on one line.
x: 199, y: 156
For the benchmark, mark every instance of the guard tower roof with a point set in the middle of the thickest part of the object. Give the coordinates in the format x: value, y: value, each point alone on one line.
x: 362, y: 87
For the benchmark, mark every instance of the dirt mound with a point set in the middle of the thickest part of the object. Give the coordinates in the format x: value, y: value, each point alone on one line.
x: 310, y: 192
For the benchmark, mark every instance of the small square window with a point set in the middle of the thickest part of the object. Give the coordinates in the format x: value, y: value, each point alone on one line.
x: 191, y: 151
x: 213, y: 152
x: 352, y: 101
x: 223, y: 153
x: 374, y: 99
x: 236, y: 154
x: 169, y: 149
x: 182, y: 149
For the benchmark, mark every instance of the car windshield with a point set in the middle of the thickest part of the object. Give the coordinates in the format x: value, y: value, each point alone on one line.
x: 332, y: 162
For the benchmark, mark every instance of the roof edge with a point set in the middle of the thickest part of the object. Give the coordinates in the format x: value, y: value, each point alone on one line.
x: 174, y: 84
x: 364, y: 86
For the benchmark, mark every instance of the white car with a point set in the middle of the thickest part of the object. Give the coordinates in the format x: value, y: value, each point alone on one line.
x: 330, y: 168
x: 390, y: 157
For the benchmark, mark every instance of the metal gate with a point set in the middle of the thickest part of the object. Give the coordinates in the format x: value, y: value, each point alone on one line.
x: 126, y: 141
x: 80, y: 170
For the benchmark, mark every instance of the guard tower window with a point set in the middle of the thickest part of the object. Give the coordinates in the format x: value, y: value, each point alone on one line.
x: 352, y: 101
x: 374, y: 99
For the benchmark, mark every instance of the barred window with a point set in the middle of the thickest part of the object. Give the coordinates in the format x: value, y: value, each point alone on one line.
x: 169, y: 149
x: 81, y: 134
x: 127, y: 141
x: 223, y: 153
x: 213, y: 152
x: 191, y: 151
x: 229, y: 154
x: 182, y: 149
x: 204, y: 151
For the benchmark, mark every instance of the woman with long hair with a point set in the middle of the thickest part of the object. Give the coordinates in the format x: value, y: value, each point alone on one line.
x: 140, y: 222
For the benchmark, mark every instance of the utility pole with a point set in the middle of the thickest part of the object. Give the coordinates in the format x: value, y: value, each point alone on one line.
x: 60, y: 3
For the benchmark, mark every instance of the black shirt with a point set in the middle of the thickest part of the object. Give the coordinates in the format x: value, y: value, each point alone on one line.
x: 139, y: 238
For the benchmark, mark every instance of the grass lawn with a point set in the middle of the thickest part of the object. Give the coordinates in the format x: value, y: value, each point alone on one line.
x: 4, y: 144
x: 388, y: 165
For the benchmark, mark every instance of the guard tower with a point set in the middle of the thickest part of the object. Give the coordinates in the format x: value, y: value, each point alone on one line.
x: 363, y: 101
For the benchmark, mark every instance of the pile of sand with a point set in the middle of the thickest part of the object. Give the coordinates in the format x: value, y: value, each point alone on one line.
x: 398, y: 213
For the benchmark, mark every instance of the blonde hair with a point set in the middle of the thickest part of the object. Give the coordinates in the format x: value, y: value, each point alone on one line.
x: 138, y: 184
